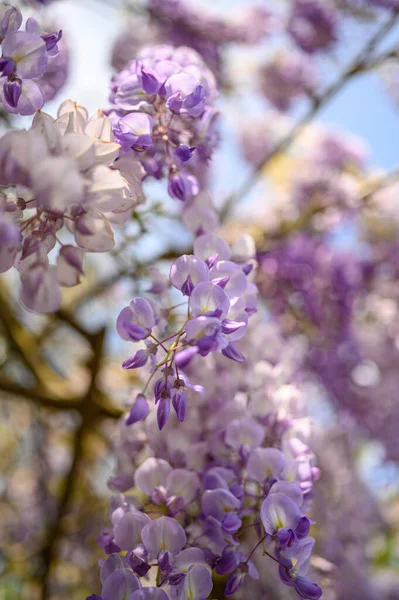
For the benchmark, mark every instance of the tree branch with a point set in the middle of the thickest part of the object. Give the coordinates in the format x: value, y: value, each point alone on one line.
x: 357, y: 66
x: 89, y: 412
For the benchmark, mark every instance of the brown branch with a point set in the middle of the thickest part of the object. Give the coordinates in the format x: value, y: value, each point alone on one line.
x: 357, y: 66
x: 36, y: 396
x: 88, y: 413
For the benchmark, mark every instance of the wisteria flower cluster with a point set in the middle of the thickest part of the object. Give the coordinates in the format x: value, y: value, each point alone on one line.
x: 26, y: 55
x: 196, y: 501
x: 163, y: 114
x: 220, y: 301
x: 61, y: 177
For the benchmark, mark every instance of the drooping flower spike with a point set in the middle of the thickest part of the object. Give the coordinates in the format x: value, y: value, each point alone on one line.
x: 220, y: 301
x: 162, y: 110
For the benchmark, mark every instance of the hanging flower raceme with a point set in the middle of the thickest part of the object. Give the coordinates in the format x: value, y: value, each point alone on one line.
x: 220, y: 300
x: 61, y: 175
x: 196, y: 501
x: 313, y: 25
x: 163, y: 115
x: 26, y: 56
x: 287, y: 78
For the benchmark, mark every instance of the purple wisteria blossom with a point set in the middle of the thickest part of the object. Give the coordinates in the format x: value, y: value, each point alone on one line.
x: 26, y: 56
x: 63, y: 175
x: 163, y: 115
x: 220, y: 300
x: 313, y: 25
x: 217, y: 487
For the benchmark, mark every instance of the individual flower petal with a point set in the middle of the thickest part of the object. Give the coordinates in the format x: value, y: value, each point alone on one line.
x: 290, y: 489
x: 188, y: 266
x: 209, y: 245
x: 197, y: 584
x: 80, y: 148
x: 244, y: 432
x: 140, y: 313
x: 152, y: 473
x: 56, y: 183
x: 40, y: 290
x: 29, y: 101
x: 127, y: 531
x: 69, y: 265
x: 139, y: 359
x: 110, y: 565
x: 217, y: 502
x: 236, y: 280
x: 28, y: 51
x: 264, y: 463
x: 119, y: 585
x: 277, y: 512
x: 232, y: 353
x: 93, y: 232
x: 139, y: 410
x: 307, y: 589
x: 183, y: 483
x: 10, y: 20
x: 209, y: 298
x: 164, y: 533
x: 10, y: 244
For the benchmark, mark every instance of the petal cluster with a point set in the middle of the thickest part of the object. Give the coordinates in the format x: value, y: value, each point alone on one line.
x: 163, y: 115
x: 26, y: 57
x: 64, y: 178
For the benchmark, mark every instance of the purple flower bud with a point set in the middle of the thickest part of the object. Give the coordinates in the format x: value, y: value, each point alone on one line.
x: 163, y: 412
x: 307, y: 589
x: 184, y: 357
x: 179, y: 401
x: 187, y: 286
x: 52, y: 39
x: 135, y: 332
x: 12, y: 92
x: 247, y: 269
x: 161, y: 387
x: 159, y: 495
x: 137, y: 559
x: 184, y: 153
x: 231, y: 523
x: 212, y: 260
x: 176, y: 578
x: 106, y: 540
x: 303, y: 527
x: 182, y: 186
x: 175, y: 102
x: 229, y: 326
x: 231, y: 352
x: 234, y: 583
x: 120, y: 483
x: 194, y: 103
x: 149, y: 81
x: 221, y: 281
x: 139, y: 359
x: 138, y: 411
x: 228, y: 561
x: 7, y: 66
x: 174, y: 505
x: 165, y: 560
x: 286, y: 538
x: 11, y: 20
